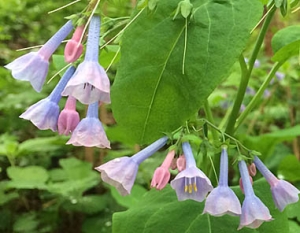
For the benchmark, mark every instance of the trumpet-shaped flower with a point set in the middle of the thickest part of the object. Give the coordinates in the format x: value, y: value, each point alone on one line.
x: 121, y: 172
x: 44, y: 114
x: 33, y: 67
x: 222, y: 200
x: 254, y: 212
x: 90, y: 82
x: 68, y: 118
x: 283, y: 192
x: 89, y: 132
x: 191, y: 183
x: 74, y: 48
x: 162, y: 174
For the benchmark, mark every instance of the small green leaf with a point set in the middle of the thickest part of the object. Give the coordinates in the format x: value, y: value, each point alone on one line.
x: 278, y: 3
x: 284, y: 7
x: 186, y: 8
x: 26, y: 223
x: 27, y: 178
x: 286, y: 43
x: 76, y: 169
x: 6, y: 196
x: 40, y: 145
x: 152, y: 4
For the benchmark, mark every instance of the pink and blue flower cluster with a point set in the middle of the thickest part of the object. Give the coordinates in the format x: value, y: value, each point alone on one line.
x: 88, y: 84
x: 191, y: 183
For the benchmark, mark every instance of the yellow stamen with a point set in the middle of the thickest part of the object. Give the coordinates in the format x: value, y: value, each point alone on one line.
x: 195, y: 187
x: 185, y: 188
x: 190, y: 188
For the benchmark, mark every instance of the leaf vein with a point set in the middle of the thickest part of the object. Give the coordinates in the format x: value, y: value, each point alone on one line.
x: 158, y: 82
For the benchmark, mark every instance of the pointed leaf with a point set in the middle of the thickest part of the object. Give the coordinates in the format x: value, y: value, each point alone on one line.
x: 161, y: 82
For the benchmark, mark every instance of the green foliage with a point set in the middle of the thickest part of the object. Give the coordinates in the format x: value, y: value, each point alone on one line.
x: 286, y: 43
x: 168, y: 60
x: 289, y: 169
x: 164, y: 213
x: 30, y: 177
x: 170, y: 78
x: 128, y: 201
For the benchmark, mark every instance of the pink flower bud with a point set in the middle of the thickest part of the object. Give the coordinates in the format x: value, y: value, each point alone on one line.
x: 68, y: 118
x: 74, y: 48
x: 181, y: 163
x: 252, y: 169
x: 162, y: 174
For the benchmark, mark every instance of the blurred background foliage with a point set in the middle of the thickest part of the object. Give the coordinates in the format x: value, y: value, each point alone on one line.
x: 47, y: 186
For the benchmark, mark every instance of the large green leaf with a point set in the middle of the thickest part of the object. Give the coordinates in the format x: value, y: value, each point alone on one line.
x: 160, y: 211
x: 286, y: 43
x: 151, y: 93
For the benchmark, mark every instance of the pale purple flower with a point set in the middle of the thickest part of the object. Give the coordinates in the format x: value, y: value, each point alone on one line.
x: 267, y: 93
x: 90, y: 82
x: 256, y: 62
x: 74, y: 48
x: 33, y: 67
x: 89, y: 132
x: 68, y: 118
x: 222, y: 200
x: 242, y: 108
x: 250, y: 91
x: 254, y: 212
x: 283, y: 192
x: 162, y: 174
x: 191, y: 183
x: 44, y: 114
x: 280, y: 76
x: 121, y: 172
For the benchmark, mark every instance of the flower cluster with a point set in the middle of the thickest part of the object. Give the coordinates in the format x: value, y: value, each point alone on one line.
x: 192, y: 183
x: 88, y: 83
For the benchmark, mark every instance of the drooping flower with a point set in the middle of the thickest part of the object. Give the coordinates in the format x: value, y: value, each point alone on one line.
x: 89, y: 132
x: 254, y: 212
x: 74, y: 48
x: 283, y: 192
x: 90, y: 82
x: 162, y: 174
x: 68, y: 118
x: 33, y: 67
x: 191, y: 183
x: 44, y: 114
x: 121, y: 172
x: 222, y: 200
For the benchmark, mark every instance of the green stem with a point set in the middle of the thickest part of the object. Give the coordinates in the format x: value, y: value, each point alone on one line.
x: 246, y: 73
x: 258, y: 95
x: 210, y: 118
x: 239, y: 97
